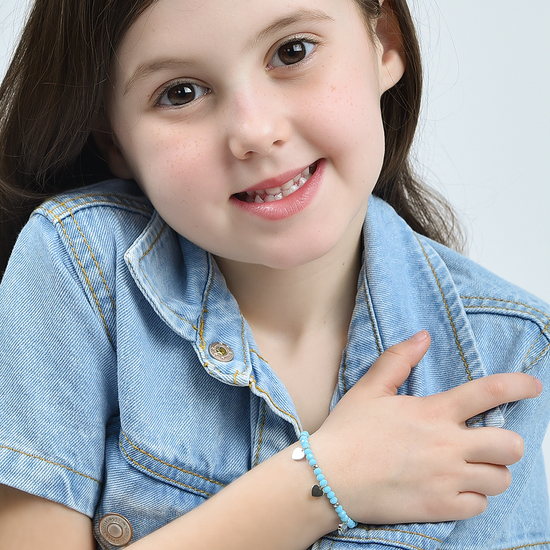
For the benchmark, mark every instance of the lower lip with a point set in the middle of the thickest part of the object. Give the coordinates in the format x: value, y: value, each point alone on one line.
x: 288, y: 206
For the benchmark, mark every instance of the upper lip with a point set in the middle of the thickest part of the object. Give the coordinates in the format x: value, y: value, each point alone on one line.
x: 277, y: 181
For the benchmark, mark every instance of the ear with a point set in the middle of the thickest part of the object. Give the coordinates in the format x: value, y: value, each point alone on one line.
x: 392, y: 62
x: 112, y: 155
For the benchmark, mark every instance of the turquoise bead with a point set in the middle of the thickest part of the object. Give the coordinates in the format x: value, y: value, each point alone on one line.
x: 320, y: 477
x: 327, y: 489
x: 331, y: 494
x: 333, y: 500
x: 323, y: 483
x: 317, y: 471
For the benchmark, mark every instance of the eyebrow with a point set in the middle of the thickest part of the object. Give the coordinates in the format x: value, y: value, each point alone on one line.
x: 150, y: 67
x: 300, y: 16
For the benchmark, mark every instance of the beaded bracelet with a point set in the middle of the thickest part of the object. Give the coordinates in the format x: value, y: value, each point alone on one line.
x: 323, y: 487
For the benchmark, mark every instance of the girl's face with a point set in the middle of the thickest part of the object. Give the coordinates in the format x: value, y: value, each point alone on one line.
x: 254, y: 126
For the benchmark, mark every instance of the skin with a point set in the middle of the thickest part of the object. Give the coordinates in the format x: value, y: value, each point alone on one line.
x: 254, y: 120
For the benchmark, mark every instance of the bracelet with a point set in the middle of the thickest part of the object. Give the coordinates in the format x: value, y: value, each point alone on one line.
x: 323, y: 487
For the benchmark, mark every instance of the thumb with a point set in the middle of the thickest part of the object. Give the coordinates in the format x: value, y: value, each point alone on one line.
x: 393, y: 367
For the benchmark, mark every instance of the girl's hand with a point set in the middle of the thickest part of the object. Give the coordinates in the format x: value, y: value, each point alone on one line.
x: 402, y: 459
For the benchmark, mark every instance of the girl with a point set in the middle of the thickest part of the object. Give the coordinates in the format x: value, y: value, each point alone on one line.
x: 252, y: 273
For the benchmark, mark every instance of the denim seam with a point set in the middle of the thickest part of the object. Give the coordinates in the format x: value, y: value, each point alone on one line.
x: 166, y: 464
x: 502, y: 308
x: 70, y: 210
x: 528, y: 545
x: 506, y: 301
x: 379, y: 539
x: 344, y: 368
x: 371, y: 316
x: 258, y: 355
x: 253, y: 381
x: 391, y: 530
x: 202, y: 342
x: 447, y: 308
x: 237, y: 372
x: 164, y: 477
x: 151, y: 286
x: 256, y: 461
x: 107, y: 200
x: 375, y: 332
x: 50, y: 462
x: 88, y: 282
x: 545, y: 329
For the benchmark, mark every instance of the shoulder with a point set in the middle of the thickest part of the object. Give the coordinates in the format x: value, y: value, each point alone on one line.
x: 507, y: 321
x: 118, y: 202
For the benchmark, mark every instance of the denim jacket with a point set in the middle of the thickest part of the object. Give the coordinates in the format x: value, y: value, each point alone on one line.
x: 114, y: 401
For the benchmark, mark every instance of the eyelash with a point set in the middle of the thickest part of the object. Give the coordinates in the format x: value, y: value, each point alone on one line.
x: 294, y: 39
x: 310, y: 42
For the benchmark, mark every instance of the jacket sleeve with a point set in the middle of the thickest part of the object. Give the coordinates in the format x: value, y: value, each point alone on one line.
x: 57, y: 369
x: 519, y: 518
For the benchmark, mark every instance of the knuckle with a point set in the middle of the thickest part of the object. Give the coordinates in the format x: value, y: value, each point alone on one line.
x: 496, y: 387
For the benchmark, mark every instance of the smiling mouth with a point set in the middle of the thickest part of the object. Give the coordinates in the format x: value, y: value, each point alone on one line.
x: 278, y: 193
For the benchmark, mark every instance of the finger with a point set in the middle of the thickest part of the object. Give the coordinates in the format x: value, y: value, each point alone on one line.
x: 469, y: 504
x: 493, y: 446
x: 393, y: 367
x: 487, y: 479
x: 478, y: 396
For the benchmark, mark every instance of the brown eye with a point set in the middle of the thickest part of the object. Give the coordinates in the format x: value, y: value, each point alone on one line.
x: 181, y: 94
x: 291, y: 53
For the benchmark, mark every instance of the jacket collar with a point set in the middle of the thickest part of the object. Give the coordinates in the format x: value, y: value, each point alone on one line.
x: 404, y: 286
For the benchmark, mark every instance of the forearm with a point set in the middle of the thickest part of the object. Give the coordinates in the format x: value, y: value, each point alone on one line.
x: 272, y: 503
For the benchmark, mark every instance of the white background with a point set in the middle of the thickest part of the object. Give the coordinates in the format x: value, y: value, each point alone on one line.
x: 484, y: 130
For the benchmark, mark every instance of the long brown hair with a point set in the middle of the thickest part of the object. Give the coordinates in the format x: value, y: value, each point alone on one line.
x: 53, y: 92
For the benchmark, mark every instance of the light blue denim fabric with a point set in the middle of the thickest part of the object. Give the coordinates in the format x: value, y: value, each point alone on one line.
x: 111, y: 402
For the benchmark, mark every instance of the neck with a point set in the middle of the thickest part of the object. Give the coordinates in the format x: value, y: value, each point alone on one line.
x: 289, y: 304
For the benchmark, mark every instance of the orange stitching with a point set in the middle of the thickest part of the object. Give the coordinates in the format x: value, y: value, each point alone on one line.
x: 93, y: 257
x: 114, y: 199
x: 202, y: 343
x: 508, y: 309
x: 545, y: 329
x: 258, y: 355
x: 166, y: 463
x: 151, y: 286
x: 51, y: 462
x: 160, y: 475
x: 252, y: 380
x: 537, y: 358
x: 508, y: 302
x: 86, y: 278
x: 261, y: 435
x: 447, y: 308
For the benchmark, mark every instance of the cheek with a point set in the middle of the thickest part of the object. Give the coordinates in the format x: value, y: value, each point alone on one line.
x: 345, y: 110
x: 166, y: 160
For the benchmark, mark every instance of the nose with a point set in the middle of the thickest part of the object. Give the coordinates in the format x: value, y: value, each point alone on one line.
x: 257, y: 124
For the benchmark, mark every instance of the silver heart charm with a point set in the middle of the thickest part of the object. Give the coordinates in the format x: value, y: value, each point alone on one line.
x: 298, y: 453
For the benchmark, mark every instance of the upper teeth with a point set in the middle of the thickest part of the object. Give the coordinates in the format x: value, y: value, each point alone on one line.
x: 278, y: 193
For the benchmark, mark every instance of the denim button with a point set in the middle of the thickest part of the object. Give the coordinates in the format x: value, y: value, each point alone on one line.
x: 115, y: 529
x: 221, y: 352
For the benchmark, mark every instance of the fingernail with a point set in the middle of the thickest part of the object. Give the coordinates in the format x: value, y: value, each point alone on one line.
x: 539, y: 386
x: 419, y: 336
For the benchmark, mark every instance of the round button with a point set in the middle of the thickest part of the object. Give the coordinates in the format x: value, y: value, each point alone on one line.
x: 115, y: 529
x: 221, y: 352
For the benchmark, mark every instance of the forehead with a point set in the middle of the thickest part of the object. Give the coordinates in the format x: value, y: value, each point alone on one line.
x: 241, y: 21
